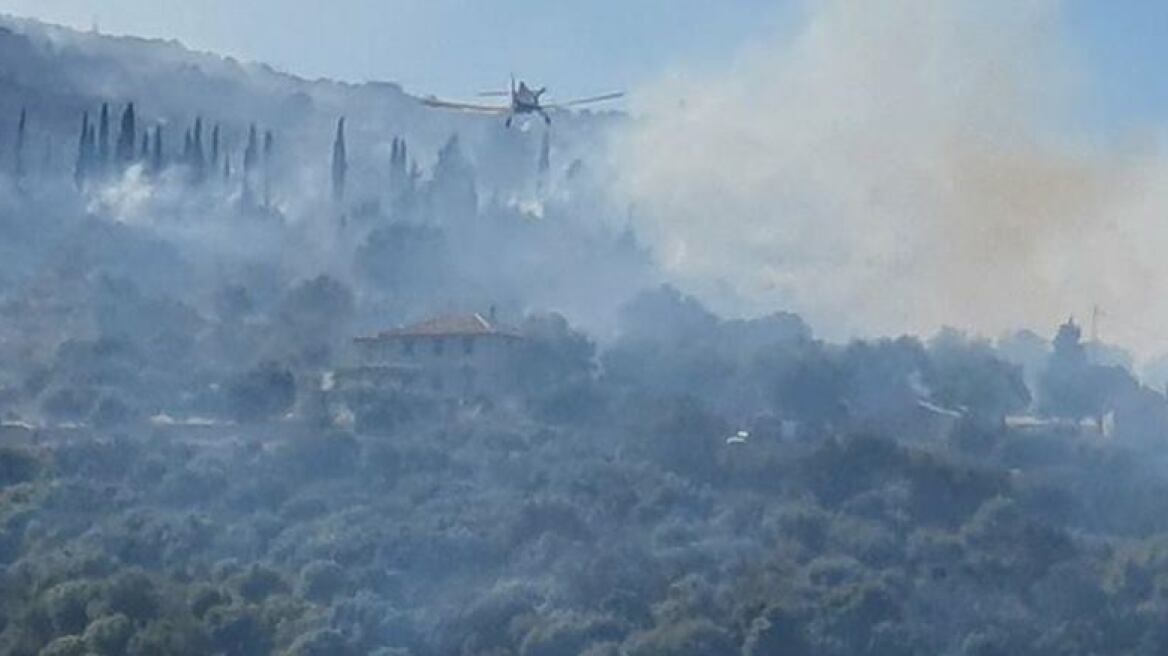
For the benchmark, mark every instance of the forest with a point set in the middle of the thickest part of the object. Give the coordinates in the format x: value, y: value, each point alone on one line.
x: 664, y: 480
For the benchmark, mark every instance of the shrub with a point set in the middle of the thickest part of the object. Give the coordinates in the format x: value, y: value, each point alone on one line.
x: 133, y: 594
x: 206, y: 597
x: 259, y: 582
x: 323, y: 642
x: 685, y: 638
x: 262, y: 393
x: 321, y: 580
x: 237, y: 631
x: 109, y: 635
x: 66, y: 646
x: 570, y: 633
x: 67, y: 605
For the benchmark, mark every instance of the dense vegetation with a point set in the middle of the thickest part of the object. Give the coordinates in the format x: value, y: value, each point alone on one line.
x: 608, y: 514
x: 662, y: 482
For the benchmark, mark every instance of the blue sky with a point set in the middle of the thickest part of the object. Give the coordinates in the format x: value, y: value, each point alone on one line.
x: 455, y: 47
x: 1124, y: 47
x: 450, y: 47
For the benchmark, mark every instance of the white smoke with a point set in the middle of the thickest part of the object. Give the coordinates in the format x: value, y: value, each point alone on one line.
x: 898, y: 166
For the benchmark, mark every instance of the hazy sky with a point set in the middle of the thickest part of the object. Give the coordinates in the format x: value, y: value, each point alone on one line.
x: 454, y: 47
x: 451, y: 47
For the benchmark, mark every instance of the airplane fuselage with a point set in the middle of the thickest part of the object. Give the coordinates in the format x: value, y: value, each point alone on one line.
x: 525, y: 100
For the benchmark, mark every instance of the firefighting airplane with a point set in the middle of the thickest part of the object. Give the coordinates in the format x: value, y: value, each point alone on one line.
x: 524, y: 100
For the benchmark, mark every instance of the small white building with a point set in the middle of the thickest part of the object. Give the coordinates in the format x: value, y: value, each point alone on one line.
x: 457, y: 356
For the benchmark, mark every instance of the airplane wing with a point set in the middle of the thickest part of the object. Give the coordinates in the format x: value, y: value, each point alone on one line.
x: 465, y: 107
x: 585, y: 101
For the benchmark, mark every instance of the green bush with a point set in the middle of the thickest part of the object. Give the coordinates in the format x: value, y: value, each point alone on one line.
x: 68, y: 605
x: 321, y: 580
x: 65, y: 646
x: 109, y: 635
x: 259, y: 582
x: 686, y: 638
x: 134, y: 594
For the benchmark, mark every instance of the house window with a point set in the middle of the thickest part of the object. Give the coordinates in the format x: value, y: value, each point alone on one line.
x: 468, y: 345
x: 439, y: 346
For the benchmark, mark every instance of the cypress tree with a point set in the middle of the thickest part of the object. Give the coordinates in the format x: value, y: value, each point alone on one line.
x: 91, y: 148
x: 214, y: 148
x: 340, y: 163
x: 269, y: 150
x: 103, y: 137
x: 405, y: 176
x: 252, y: 153
x: 18, y: 154
x: 79, y: 169
x: 198, y: 162
x: 393, y: 155
x: 251, y: 156
x: 127, y: 137
x: 156, y: 155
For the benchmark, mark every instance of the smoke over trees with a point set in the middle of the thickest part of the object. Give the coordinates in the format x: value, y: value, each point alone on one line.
x: 197, y: 458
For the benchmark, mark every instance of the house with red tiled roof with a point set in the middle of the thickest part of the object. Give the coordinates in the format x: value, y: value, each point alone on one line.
x: 453, y: 356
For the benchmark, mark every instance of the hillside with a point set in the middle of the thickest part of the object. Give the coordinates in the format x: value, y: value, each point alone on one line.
x: 411, y: 384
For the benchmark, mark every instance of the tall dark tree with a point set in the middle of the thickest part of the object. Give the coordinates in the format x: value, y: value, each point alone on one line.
x: 1063, y: 385
x: 18, y: 151
x: 269, y: 162
x: 81, y: 168
x: 340, y: 162
x: 1072, y: 387
x: 251, y: 156
x: 398, y: 175
x: 144, y: 150
x: 251, y: 153
x: 103, y: 137
x: 214, y: 163
x: 156, y: 154
x: 198, y: 160
x: 91, y: 147
x: 452, y: 187
x: 127, y: 137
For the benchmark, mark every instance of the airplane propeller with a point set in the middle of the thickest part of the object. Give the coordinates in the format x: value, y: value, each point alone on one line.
x: 516, y: 105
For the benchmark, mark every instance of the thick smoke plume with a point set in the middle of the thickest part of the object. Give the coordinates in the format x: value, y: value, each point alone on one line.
x: 898, y: 166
